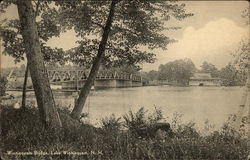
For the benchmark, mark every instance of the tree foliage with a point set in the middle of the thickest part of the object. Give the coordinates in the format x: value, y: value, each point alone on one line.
x: 178, y: 70
x: 152, y: 75
x: 47, y: 28
x: 136, y: 23
x: 209, y: 68
x: 230, y: 76
x: 112, y: 33
x: 28, y: 36
x: 242, y: 57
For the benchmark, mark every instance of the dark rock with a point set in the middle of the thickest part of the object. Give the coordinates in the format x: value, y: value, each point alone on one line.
x: 151, y: 131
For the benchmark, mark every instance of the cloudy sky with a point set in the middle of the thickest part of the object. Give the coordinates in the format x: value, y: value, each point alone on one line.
x: 212, y: 34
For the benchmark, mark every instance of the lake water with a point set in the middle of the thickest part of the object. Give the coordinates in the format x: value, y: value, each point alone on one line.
x: 197, y: 104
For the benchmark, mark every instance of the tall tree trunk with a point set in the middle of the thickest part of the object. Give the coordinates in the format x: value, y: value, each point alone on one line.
x: 38, y: 72
x: 25, y: 86
x: 77, y: 110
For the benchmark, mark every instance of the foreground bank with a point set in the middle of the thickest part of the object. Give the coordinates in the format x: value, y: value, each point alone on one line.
x: 23, y: 137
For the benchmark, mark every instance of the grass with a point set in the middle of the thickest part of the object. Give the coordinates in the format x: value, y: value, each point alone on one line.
x: 22, y: 131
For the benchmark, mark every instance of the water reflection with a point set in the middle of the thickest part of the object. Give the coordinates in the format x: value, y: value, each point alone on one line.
x: 195, y: 103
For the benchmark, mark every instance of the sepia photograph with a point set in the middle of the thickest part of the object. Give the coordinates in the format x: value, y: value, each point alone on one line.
x: 124, y: 80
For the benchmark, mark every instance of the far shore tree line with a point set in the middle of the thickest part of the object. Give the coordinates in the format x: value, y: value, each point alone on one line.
x: 180, y: 71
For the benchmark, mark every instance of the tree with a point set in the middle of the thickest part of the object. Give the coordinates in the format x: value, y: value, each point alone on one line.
x: 25, y: 86
x: 242, y: 58
x: 152, y: 75
x: 39, y: 76
x: 209, y: 68
x: 76, y: 113
x: 242, y: 63
x: 47, y: 27
x: 178, y: 70
x: 230, y: 76
x: 14, y: 45
x: 235, y: 73
x: 149, y: 76
x: 128, y: 26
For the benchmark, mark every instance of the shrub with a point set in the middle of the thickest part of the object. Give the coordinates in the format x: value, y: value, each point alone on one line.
x: 21, y: 130
x: 134, y: 122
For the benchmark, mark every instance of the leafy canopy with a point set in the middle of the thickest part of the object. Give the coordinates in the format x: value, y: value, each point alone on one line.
x: 136, y: 30
x: 137, y: 24
x: 47, y: 28
x: 209, y: 68
x: 178, y: 70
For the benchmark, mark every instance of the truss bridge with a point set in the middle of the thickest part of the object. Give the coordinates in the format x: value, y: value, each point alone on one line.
x: 74, y: 79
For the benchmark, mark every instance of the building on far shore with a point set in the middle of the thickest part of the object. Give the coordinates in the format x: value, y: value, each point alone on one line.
x: 204, y: 79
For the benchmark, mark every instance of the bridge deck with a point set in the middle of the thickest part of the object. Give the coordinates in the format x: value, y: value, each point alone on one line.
x: 78, y: 75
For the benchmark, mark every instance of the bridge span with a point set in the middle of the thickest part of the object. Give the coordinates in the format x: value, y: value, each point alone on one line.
x: 75, y: 79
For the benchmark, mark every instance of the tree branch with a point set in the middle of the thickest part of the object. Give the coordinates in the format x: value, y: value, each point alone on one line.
x: 37, y: 7
x: 98, y: 24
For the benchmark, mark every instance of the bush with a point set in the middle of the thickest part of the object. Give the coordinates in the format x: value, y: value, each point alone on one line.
x: 21, y: 130
x: 134, y: 122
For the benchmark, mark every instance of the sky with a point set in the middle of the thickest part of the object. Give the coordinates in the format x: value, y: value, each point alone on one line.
x: 212, y: 34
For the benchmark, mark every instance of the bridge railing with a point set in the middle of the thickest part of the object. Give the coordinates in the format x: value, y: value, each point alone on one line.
x: 136, y: 78
x: 73, y: 75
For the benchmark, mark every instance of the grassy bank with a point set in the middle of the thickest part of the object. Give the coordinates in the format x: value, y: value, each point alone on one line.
x: 21, y: 131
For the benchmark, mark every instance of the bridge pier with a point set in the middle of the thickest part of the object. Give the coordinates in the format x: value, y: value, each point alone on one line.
x: 105, y: 83
x: 112, y: 83
x: 136, y: 84
x: 123, y: 83
x: 73, y: 84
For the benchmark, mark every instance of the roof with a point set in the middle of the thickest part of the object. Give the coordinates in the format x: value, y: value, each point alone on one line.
x: 202, y: 76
